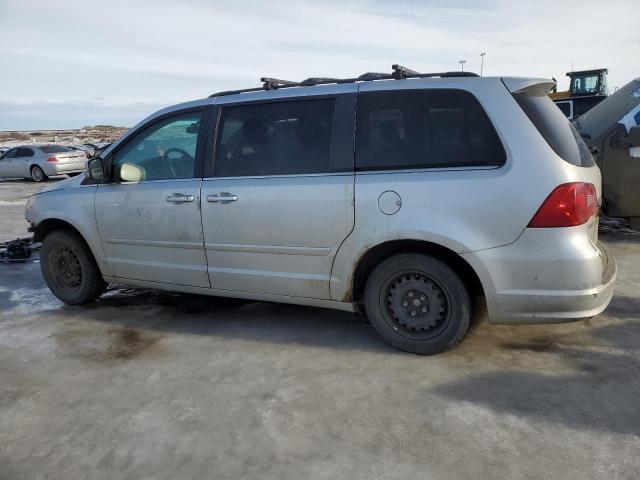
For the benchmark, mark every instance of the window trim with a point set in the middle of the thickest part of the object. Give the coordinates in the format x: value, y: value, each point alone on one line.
x: 435, y: 167
x: 200, y: 144
x: 342, y: 148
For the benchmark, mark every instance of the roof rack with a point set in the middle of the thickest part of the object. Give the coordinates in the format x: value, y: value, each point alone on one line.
x: 399, y: 72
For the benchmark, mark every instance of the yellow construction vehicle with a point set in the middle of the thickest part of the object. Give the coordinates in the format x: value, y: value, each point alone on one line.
x: 587, y: 88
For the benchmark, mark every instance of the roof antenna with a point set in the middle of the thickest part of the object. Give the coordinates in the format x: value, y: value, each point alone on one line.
x: 274, y: 83
x: 400, y: 72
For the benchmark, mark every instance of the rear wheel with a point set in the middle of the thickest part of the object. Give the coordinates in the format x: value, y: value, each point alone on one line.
x: 37, y: 174
x: 417, y: 303
x: 69, y: 268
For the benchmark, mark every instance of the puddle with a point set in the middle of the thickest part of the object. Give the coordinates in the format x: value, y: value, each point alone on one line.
x: 106, y: 345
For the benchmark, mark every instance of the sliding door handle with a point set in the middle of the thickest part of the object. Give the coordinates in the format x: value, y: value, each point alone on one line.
x: 224, y: 197
x: 179, y: 198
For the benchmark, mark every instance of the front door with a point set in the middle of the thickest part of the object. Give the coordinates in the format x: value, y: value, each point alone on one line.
x: 7, y: 164
x: 149, y: 216
x: 280, y: 199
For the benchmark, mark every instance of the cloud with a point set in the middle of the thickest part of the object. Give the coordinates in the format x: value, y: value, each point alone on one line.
x: 162, y: 52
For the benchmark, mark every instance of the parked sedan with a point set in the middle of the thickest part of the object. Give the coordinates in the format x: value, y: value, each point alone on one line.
x: 39, y: 162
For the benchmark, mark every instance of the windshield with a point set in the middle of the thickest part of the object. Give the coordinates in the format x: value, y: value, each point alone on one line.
x: 585, y: 84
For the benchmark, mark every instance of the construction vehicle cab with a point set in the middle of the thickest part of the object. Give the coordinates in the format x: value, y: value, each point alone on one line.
x: 587, y: 88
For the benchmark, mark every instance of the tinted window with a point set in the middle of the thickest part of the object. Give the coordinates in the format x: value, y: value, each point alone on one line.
x: 165, y: 150
x: 559, y: 133
x: 275, y: 139
x: 24, y: 152
x: 424, y: 129
x: 54, y: 149
x: 565, y: 108
x: 11, y: 153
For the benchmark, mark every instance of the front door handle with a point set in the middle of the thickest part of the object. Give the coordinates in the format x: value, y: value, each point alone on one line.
x: 179, y: 198
x: 224, y: 197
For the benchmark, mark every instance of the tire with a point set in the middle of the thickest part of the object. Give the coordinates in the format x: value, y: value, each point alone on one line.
x: 37, y: 174
x: 75, y: 174
x: 69, y: 269
x: 411, y: 282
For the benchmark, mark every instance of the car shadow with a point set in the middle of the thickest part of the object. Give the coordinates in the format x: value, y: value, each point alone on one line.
x: 624, y: 237
x: 624, y: 308
x: 164, y: 312
x: 600, y: 393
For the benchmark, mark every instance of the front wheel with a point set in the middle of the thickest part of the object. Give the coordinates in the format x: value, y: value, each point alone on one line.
x: 417, y: 303
x: 37, y: 174
x: 69, y: 268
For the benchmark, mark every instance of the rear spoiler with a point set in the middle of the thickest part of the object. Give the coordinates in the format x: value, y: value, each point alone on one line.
x: 519, y: 85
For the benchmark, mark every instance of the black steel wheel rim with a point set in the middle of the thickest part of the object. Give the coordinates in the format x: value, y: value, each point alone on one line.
x: 66, y: 268
x: 416, y: 305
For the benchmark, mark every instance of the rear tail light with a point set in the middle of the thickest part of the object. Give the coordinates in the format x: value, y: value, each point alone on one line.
x: 568, y: 205
x: 52, y: 160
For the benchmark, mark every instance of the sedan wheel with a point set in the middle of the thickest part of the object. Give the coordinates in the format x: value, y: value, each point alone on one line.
x: 37, y: 174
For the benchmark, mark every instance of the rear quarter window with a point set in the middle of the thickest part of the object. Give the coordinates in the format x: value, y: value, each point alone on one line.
x: 54, y: 149
x: 427, y: 128
x: 554, y: 127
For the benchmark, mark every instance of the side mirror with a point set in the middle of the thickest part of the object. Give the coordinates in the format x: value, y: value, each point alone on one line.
x: 95, y: 169
x: 131, y: 173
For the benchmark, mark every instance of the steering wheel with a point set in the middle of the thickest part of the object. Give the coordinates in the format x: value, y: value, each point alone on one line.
x: 165, y: 158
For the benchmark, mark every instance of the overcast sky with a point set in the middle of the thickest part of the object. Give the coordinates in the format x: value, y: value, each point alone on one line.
x: 69, y: 63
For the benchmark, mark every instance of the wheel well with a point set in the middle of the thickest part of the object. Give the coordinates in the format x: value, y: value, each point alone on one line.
x: 49, y: 225
x: 375, y: 255
x: 45, y: 227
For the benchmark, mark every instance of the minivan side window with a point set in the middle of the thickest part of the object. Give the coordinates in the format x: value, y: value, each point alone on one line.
x: 166, y: 150
x: 436, y: 128
x: 279, y: 138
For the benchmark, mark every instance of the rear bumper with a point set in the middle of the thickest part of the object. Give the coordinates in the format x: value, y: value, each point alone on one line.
x: 546, y: 276
x: 62, y: 168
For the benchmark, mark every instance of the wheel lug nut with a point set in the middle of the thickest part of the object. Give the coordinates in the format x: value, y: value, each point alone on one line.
x: 405, y: 303
x: 413, y: 313
x: 423, y: 298
x: 424, y: 309
x: 410, y: 294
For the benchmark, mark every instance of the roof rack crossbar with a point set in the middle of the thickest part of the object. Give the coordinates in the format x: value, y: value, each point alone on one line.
x: 399, y: 73
x: 273, y: 83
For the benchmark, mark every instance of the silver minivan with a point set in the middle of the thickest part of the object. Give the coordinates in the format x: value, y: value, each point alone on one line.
x: 407, y: 195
